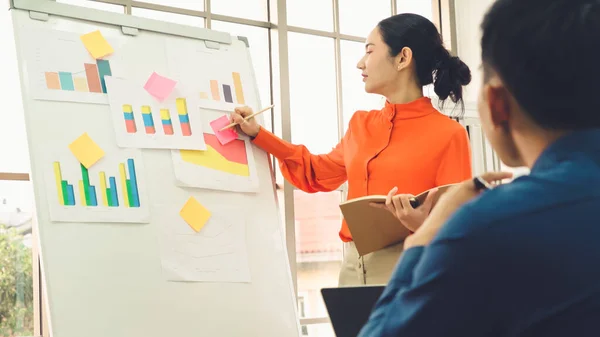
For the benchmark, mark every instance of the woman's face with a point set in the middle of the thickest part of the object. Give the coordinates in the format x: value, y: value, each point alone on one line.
x: 379, y: 71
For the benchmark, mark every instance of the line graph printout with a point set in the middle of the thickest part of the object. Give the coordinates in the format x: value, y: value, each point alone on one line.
x: 217, y: 253
x: 61, y: 69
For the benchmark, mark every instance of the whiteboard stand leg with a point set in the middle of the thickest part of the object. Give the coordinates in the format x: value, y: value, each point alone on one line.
x: 130, y: 31
x: 39, y: 16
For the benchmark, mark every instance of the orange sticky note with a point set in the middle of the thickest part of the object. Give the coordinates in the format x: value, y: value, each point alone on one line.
x: 96, y: 44
x: 195, y: 214
x: 86, y: 150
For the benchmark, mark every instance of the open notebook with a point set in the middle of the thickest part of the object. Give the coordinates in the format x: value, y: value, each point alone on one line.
x: 373, y: 228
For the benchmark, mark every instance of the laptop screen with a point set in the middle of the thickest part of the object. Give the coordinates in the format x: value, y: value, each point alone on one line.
x: 349, y: 308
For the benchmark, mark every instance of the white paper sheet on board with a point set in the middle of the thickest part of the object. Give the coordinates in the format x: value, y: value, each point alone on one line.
x: 140, y: 121
x: 217, y: 253
x: 229, y: 167
x: 117, y: 188
x: 61, y: 69
x: 221, y: 79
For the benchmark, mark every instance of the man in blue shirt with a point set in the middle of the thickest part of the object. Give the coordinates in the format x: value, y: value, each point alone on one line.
x: 521, y: 259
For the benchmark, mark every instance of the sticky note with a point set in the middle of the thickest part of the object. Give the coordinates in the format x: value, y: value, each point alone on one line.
x: 96, y: 44
x: 86, y: 150
x: 225, y: 136
x: 194, y: 214
x: 159, y: 86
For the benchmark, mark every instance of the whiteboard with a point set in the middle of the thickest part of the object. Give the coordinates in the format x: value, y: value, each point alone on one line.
x: 107, y: 278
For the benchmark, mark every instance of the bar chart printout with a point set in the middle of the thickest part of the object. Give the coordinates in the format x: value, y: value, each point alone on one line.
x: 140, y: 121
x: 107, y: 194
x: 90, y: 79
x: 108, y: 189
x: 217, y: 88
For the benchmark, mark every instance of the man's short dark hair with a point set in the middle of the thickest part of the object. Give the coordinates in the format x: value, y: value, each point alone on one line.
x: 547, y: 53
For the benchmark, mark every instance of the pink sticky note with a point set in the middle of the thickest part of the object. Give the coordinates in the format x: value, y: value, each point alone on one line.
x: 225, y: 136
x: 159, y: 86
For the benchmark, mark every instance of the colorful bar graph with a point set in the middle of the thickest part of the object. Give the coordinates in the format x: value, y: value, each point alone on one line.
x: 129, y: 119
x: 113, y: 192
x: 237, y: 84
x: 93, y: 80
x: 103, y: 189
x: 81, y: 84
x: 103, y: 70
x: 52, y: 81
x: 88, y: 192
x: 66, y: 81
x: 70, y: 195
x: 108, y: 189
x: 132, y: 183
x: 165, y: 118
x: 184, y: 117
x: 214, y: 89
x: 227, y: 93
x: 148, y: 121
x: 59, y: 187
x: 124, y: 189
x: 66, y: 196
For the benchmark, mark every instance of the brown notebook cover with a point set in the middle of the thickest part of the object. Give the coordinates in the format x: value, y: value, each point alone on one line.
x: 374, y: 228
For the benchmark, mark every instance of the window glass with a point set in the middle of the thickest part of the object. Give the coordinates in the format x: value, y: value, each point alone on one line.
x: 170, y: 17
x: 318, y: 247
x: 313, y: 92
x: 421, y: 7
x: 313, y: 14
x: 358, y: 18
x: 247, y: 9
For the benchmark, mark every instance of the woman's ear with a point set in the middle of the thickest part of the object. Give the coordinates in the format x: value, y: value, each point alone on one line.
x: 403, y: 58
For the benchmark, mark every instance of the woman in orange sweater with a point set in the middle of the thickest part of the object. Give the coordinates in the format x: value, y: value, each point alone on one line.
x: 408, y: 146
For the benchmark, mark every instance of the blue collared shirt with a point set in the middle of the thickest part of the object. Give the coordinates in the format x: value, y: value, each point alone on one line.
x: 522, y: 259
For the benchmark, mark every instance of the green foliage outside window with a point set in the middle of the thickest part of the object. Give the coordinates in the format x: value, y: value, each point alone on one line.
x: 16, y: 285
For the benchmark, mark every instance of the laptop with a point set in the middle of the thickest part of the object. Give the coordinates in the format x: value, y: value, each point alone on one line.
x: 349, y: 308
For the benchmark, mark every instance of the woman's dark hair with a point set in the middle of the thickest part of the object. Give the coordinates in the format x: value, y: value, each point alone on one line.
x: 547, y: 55
x: 433, y: 62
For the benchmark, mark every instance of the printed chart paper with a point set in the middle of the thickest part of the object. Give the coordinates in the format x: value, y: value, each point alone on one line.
x: 141, y: 122
x: 229, y: 167
x: 217, y: 253
x: 221, y: 79
x: 60, y: 68
x: 113, y: 190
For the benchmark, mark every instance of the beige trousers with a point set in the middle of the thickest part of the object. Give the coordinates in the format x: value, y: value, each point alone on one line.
x: 372, y: 269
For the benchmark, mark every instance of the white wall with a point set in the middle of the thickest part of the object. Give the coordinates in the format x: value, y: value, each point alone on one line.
x: 469, y: 14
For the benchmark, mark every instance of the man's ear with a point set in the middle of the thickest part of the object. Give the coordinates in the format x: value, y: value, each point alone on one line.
x: 403, y: 58
x: 498, y: 100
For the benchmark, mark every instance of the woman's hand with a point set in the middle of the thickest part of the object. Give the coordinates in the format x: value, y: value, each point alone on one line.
x: 399, y: 206
x: 249, y: 127
x: 448, y: 203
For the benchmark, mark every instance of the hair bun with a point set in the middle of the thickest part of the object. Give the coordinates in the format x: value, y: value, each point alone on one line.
x: 451, y: 74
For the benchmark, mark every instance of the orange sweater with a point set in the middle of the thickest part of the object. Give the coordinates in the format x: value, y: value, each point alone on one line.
x: 411, y: 146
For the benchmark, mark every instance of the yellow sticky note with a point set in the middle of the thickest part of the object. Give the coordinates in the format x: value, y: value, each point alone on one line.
x: 96, y: 44
x: 86, y: 150
x: 195, y: 214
